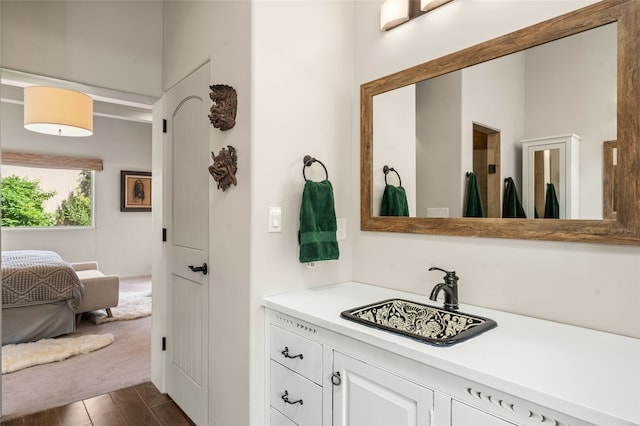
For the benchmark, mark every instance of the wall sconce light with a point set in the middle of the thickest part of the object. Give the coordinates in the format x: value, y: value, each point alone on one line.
x: 393, y: 13
x: 55, y: 111
x: 427, y: 5
x: 396, y: 12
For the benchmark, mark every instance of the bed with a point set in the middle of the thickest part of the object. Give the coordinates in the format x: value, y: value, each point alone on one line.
x: 40, y: 295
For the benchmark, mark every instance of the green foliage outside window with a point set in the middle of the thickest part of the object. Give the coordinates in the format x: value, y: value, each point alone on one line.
x: 75, y: 210
x: 23, y: 203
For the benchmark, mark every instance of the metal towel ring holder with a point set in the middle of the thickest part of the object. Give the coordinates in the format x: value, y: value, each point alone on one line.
x: 386, y: 170
x: 308, y: 161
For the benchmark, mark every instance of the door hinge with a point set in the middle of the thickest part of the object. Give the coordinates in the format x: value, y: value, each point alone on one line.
x: 164, y: 234
x: 164, y: 343
x: 164, y: 125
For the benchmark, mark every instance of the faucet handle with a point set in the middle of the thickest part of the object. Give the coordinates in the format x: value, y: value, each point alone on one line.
x: 451, y: 277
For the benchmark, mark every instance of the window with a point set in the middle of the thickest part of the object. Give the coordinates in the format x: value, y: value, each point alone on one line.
x: 47, y: 191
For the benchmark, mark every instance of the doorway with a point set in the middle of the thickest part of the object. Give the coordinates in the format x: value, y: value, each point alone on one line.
x: 486, y: 166
x: 125, y: 123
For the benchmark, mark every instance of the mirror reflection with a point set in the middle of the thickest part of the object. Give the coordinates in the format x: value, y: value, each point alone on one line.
x: 546, y: 165
x: 485, y: 118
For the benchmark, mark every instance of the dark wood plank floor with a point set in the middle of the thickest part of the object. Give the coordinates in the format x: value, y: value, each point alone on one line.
x: 138, y: 405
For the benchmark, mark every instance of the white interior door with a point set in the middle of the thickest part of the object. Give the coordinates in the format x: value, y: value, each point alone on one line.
x: 188, y: 244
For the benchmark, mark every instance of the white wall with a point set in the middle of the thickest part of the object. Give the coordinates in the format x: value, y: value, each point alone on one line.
x: 302, y: 104
x: 566, y: 282
x: 221, y: 32
x: 110, y: 44
x: 120, y: 241
x: 302, y: 61
x: 292, y: 74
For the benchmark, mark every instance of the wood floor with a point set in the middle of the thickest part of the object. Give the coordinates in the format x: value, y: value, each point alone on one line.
x: 135, y: 406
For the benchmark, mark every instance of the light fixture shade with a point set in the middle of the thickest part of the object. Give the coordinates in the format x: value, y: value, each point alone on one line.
x: 393, y: 13
x: 57, y: 111
x: 427, y: 5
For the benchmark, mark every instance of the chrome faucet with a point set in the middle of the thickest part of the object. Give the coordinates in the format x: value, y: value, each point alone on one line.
x: 450, y: 288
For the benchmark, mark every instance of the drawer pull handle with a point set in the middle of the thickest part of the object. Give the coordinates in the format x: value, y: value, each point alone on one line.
x: 286, y: 354
x: 285, y: 398
x: 336, y: 379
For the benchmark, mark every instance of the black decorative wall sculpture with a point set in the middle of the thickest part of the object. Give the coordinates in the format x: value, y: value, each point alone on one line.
x: 225, y: 105
x: 224, y: 167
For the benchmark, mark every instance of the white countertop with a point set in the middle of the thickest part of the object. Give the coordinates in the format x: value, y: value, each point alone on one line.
x: 566, y: 368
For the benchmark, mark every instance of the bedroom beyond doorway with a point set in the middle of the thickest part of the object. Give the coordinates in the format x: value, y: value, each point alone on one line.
x: 124, y: 363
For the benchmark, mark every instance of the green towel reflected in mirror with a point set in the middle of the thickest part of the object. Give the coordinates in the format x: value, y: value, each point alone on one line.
x: 551, y: 206
x: 474, y: 199
x: 511, y: 206
x: 394, y: 201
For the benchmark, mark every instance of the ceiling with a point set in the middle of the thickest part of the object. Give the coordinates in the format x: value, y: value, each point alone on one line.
x: 107, y: 102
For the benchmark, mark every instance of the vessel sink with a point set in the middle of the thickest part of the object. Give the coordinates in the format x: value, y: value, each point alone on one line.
x: 425, y: 323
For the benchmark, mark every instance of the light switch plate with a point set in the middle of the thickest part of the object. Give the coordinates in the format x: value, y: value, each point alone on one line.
x: 275, y: 219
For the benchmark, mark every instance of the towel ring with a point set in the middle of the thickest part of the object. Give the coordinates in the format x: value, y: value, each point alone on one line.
x: 386, y: 170
x: 308, y: 161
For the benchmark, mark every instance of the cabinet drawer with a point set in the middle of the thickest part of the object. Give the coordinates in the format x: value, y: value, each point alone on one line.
x: 279, y: 419
x: 463, y: 415
x: 297, y: 353
x: 309, y: 410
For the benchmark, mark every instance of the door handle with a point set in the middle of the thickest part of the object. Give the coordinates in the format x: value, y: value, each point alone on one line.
x: 204, y: 269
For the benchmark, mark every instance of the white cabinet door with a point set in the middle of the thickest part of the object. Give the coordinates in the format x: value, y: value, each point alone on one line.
x: 464, y: 415
x: 370, y: 396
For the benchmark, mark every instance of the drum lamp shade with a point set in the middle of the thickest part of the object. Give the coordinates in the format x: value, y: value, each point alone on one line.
x: 56, y: 111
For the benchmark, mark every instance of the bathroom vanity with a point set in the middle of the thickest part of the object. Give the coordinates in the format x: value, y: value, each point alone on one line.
x: 326, y: 370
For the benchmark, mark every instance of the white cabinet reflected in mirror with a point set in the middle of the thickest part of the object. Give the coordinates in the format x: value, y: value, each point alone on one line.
x: 551, y: 178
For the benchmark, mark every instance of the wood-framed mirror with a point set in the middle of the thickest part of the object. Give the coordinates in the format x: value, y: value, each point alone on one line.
x: 624, y: 228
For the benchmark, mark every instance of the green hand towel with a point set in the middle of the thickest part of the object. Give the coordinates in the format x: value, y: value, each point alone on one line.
x: 317, y: 234
x: 511, y: 206
x: 551, y: 206
x: 474, y: 199
x: 394, y: 201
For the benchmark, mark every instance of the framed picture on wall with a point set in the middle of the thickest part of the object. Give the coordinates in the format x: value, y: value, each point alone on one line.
x: 135, y: 191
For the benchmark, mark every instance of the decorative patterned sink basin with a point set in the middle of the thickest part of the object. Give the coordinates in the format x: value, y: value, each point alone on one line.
x: 426, y: 323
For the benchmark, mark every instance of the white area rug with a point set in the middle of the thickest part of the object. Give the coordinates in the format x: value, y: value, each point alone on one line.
x: 23, y: 355
x: 131, y: 305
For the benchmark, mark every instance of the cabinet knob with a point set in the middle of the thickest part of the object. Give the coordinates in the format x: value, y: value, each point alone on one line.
x: 285, y: 398
x: 285, y: 353
x: 336, y: 379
